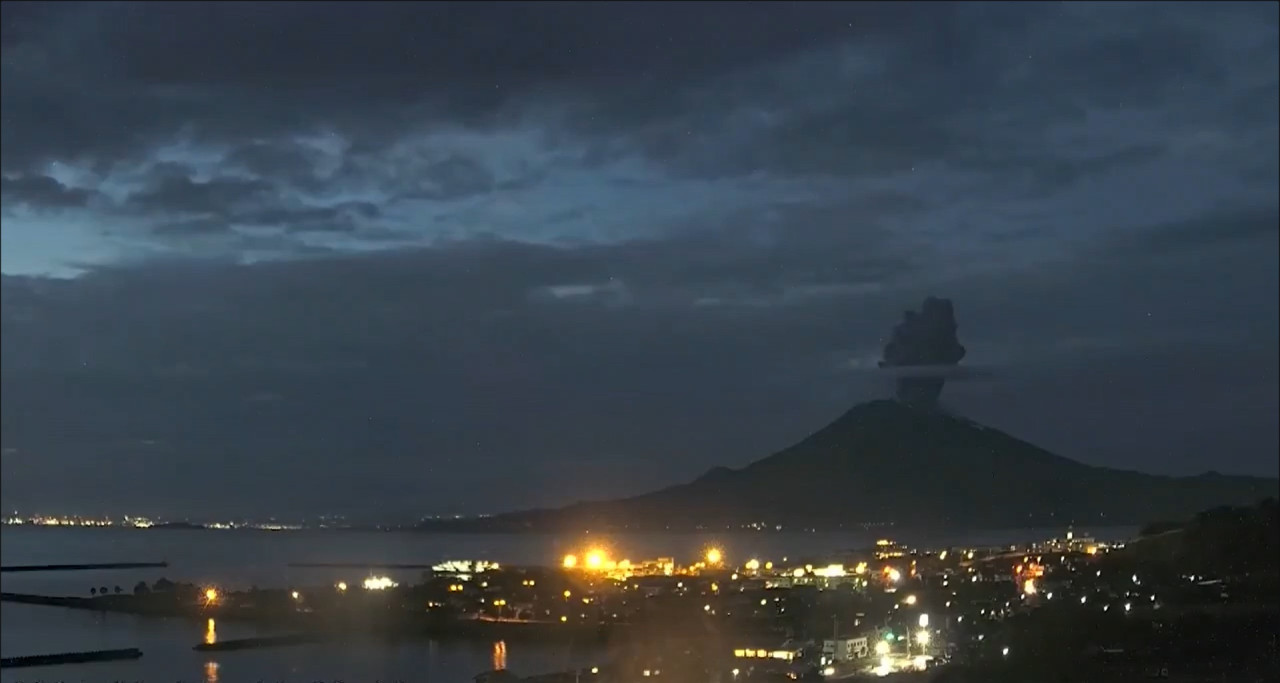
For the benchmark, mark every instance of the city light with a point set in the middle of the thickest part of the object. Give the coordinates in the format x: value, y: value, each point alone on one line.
x: 341, y: 585
x: 378, y: 583
x: 922, y: 637
x: 210, y: 595
x: 924, y: 621
x: 893, y: 574
x: 295, y: 595
x: 570, y: 561
x: 714, y: 556
x: 882, y: 648
x: 910, y: 600
x: 595, y: 559
x: 1029, y: 587
x: 752, y: 565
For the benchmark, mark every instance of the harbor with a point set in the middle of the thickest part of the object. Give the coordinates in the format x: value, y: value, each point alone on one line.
x: 886, y: 609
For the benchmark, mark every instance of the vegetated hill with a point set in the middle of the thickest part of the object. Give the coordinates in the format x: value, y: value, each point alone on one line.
x: 885, y: 461
x: 1225, y: 541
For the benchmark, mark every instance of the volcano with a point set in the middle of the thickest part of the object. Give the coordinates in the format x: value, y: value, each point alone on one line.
x: 891, y: 462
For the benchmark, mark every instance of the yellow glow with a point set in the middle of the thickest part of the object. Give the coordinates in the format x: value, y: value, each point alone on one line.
x: 295, y: 595
x: 1029, y: 586
x: 753, y: 565
x: 922, y: 637
x: 942, y: 555
x: 910, y: 600
x: 570, y: 561
x: 210, y: 632
x: 798, y: 572
x: 894, y: 575
x: 595, y: 559
x: 768, y: 565
x: 860, y: 568
x: 500, y: 655
x: 563, y: 619
x: 714, y: 556
x: 567, y: 594
x: 211, y: 595
x: 342, y: 585
x: 882, y: 648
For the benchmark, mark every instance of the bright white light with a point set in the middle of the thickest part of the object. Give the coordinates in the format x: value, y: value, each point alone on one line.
x: 910, y: 600
x: 379, y: 583
x: 924, y: 621
x: 922, y: 637
x: 1005, y: 652
x: 882, y: 648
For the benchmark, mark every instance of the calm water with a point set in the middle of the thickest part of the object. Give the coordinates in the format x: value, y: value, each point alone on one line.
x: 239, y: 559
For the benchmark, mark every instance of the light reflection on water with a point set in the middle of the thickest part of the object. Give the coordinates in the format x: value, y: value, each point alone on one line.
x: 500, y: 655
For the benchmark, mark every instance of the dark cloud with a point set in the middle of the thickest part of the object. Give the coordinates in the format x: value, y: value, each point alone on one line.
x: 398, y: 244
x: 43, y: 192
x: 185, y: 195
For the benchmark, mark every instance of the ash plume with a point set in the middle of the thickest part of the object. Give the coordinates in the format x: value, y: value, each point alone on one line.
x: 924, y: 339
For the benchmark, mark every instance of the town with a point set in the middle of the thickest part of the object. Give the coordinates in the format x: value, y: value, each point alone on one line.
x: 1070, y: 606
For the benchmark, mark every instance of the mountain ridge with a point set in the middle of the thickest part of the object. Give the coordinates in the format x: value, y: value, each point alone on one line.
x: 887, y: 462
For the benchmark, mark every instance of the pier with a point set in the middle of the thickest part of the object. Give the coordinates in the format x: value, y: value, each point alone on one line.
x: 70, y: 658
x: 82, y: 567
x: 259, y: 642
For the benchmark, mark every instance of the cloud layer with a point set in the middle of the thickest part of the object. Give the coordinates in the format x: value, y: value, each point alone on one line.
x: 486, y: 255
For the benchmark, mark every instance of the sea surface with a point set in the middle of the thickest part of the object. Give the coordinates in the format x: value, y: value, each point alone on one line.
x: 240, y: 559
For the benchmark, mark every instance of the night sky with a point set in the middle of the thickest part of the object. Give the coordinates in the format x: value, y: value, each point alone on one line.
x: 392, y: 259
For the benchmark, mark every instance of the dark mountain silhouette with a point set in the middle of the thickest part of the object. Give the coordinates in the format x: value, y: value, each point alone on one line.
x: 904, y: 462
x: 888, y: 461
